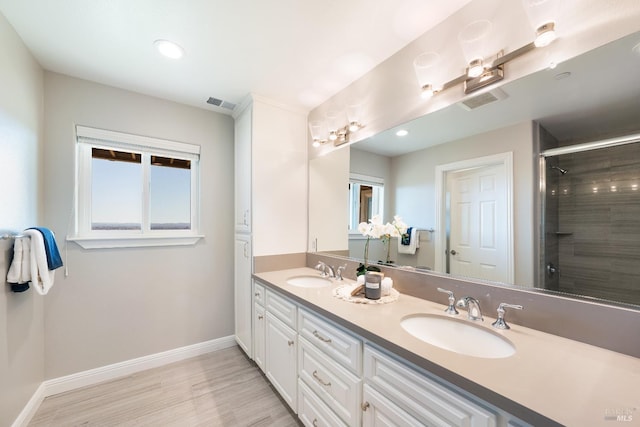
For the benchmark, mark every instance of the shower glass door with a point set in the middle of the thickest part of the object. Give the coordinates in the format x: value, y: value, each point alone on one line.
x: 591, y: 220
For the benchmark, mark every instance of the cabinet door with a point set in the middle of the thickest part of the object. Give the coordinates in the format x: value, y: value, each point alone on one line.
x: 242, y: 158
x: 242, y: 293
x: 259, y: 322
x: 421, y: 396
x: 280, y: 359
x: 380, y: 411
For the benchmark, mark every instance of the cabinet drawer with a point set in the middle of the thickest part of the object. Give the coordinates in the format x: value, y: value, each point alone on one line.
x: 313, y: 412
x: 258, y: 293
x: 336, y: 343
x: 336, y: 386
x: 378, y: 411
x: 426, y: 400
x: 281, y: 308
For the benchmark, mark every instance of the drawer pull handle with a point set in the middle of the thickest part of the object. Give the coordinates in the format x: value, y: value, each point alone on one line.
x: 257, y: 294
x: 320, y: 380
x: 291, y: 342
x: 260, y: 317
x: 320, y: 337
x: 365, y: 406
x: 315, y: 422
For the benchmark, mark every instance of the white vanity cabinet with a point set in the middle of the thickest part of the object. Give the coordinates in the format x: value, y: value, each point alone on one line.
x: 333, y: 377
x: 259, y: 325
x: 330, y: 366
x: 281, y: 344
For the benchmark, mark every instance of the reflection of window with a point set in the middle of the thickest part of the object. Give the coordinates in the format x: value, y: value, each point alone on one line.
x: 138, y: 189
x: 366, y: 199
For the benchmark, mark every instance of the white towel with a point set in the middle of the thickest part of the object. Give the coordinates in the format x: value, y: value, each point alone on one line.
x: 30, y: 262
x: 20, y: 270
x: 414, y: 243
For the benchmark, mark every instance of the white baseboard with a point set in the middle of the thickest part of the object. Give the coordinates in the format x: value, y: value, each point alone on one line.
x: 116, y: 370
x: 29, y: 410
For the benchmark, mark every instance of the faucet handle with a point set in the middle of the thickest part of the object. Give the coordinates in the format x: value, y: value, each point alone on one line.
x: 500, y: 323
x: 339, y: 271
x: 452, y: 308
x: 322, y: 268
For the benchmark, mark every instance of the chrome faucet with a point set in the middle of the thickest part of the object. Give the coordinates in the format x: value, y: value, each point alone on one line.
x: 329, y: 270
x: 325, y: 269
x: 340, y: 271
x: 472, y: 306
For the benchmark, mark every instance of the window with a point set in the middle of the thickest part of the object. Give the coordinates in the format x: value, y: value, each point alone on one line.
x: 135, y: 191
x: 366, y: 199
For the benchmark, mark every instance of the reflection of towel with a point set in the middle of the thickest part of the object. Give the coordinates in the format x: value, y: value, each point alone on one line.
x: 30, y: 262
x: 412, y: 242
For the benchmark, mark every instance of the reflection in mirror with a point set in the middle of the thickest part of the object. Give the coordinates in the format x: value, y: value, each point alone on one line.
x: 547, y: 109
x: 366, y: 199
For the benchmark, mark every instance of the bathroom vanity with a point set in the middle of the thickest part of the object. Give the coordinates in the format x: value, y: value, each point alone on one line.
x: 340, y: 363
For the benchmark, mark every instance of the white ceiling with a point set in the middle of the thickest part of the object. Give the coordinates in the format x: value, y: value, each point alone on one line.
x: 297, y: 52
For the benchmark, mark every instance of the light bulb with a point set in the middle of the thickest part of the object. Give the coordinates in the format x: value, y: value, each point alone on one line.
x: 475, y: 69
x: 545, y: 34
x: 316, y: 143
x: 354, y: 127
x: 333, y: 135
x: 427, y: 91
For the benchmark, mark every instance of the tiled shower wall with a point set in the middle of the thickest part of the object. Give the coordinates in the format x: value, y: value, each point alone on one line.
x: 598, y: 226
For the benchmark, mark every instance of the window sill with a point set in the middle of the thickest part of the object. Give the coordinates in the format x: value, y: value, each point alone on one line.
x: 133, y: 241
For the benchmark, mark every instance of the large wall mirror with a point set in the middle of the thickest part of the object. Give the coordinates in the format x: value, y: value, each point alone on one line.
x: 471, y: 177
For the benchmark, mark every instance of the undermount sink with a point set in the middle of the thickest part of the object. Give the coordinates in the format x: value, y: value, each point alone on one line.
x: 308, y: 281
x: 457, y: 335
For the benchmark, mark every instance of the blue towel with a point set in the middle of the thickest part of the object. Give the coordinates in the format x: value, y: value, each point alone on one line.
x: 50, y: 247
x: 406, y: 237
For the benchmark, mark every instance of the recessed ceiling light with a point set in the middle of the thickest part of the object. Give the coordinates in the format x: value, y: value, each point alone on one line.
x: 402, y: 132
x: 169, y: 49
x: 564, y: 75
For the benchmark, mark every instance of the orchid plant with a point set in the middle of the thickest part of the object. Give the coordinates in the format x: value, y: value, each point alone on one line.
x: 375, y: 229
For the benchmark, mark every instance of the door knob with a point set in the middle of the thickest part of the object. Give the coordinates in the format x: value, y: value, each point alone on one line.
x: 453, y: 252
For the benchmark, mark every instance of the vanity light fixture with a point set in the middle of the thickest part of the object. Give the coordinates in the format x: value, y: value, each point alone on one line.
x: 475, y: 40
x: 336, y: 134
x: 169, y: 49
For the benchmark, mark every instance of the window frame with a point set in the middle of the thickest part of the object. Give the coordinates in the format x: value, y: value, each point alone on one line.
x: 88, y: 138
x: 354, y: 200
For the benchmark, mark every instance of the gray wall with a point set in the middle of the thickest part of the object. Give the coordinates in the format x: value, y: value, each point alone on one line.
x: 21, y: 314
x: 413, y: 177
x: 118, y: 304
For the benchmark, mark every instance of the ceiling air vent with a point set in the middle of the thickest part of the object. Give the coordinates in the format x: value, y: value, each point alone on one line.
x: 220, y: 103
x: 483, y: 99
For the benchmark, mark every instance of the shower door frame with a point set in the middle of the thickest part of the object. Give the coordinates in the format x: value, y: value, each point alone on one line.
x: 542, y: 194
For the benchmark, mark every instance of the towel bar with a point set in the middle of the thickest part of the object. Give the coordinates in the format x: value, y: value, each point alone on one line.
x: 11, y: 236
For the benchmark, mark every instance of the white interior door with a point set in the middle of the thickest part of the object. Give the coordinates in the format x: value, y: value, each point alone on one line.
x: 479, y: 232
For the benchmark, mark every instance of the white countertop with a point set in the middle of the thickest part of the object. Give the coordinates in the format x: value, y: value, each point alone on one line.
x: 572, y: 383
